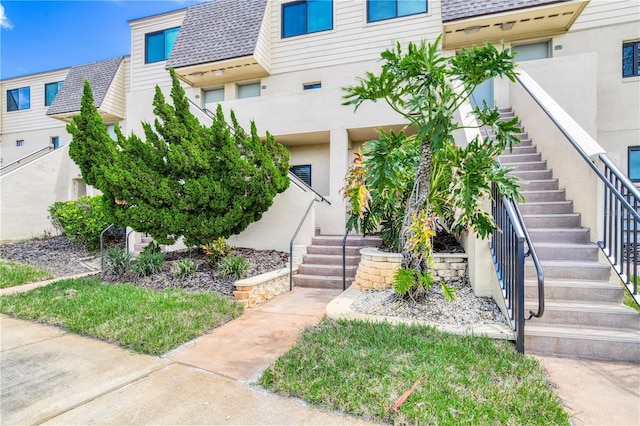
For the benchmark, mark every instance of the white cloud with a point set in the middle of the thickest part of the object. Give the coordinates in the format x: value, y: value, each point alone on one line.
x: 4, y: 21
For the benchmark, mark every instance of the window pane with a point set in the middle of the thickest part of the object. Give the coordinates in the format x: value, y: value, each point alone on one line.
x: 155, y: 47
x: 25, y: 98
x: 213, y: 95
x: 411, y: 7
x: 294, y: 19
x: 12, y: 100
x: 634, y: 164
x: 50, y: 92
x: 303, y: 173
x: 381, y: 9
x: 627, y: 60
x: 248, y: 90
x: 529, y: 52
x: 170, y: 39
x: 320, y: 15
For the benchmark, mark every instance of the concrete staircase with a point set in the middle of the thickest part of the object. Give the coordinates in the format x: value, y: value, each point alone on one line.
x: 322, y: 264
x: 584, y: 316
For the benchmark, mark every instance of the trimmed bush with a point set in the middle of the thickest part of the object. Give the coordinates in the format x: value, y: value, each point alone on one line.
x: 80, y: 220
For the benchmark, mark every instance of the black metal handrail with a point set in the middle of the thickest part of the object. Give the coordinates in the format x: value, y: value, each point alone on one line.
x: 295, y: 234
x: 620, y: 209
x: 508, y: 253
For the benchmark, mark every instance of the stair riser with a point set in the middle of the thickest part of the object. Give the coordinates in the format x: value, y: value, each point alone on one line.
x: 588, y: 319
x: 559, y: 207
x: 570, y: 273
x: 560, y: 236
x: 519, y: 150
x: 335, y: 251
x: 583, y: 348
x: 541, y: 185
x: 326, y: 270
x: 320, y: 283
x: 351, y: 242
x: 578, y: 294
x: 543, y: 196
x: 513, y: 157
x: 550, y: 221
x: 563, y: 253
x: 533, y: 175
x: 525, y: 167
x: 330, y: 260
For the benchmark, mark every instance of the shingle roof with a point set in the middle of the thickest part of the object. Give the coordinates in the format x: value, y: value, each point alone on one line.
x: 100, y: 75
x: 453, y: 10
x: 218, y: 30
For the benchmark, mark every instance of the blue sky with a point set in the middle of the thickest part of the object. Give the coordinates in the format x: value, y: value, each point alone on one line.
x: 44, y: 35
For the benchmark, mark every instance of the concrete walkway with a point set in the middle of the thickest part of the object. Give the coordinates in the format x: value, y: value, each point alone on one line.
x: 49, y: 376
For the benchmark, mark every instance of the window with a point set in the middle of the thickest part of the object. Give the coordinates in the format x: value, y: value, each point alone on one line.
x: 248, y: 90
x: 213, y: 96
x: 55, y: 142
x: 311, y: 86
x: 379, y: 10
x: 20, y: 142
x: 50, y: 92
x: 304, y: 17
x: 302, y: 172
x: 532, y: 51
x: 634, y: 163
x: 158, y: 45
x: 19, y: 99
x: 630, y: 59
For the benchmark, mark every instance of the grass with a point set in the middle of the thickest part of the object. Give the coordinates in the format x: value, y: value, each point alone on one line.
x: 13, y: 274
x: 136, y: 318
x: 362, y: 368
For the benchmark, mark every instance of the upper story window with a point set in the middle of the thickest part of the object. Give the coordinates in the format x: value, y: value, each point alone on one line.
x: 308, y: 16
x: 379, y: 10
x: 630, y: 59
x: 19, y: 99
x: 213, y: 96
x: 50, y: 92
x: 248, y: 90
x: 158, y: 45
x: 633, y: 161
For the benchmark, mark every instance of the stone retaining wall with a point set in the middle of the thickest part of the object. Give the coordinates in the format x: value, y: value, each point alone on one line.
x: 376, y: 268
x: 253, y: 291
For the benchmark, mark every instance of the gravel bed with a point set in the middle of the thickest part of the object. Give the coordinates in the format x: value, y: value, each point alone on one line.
x: 465, y: 310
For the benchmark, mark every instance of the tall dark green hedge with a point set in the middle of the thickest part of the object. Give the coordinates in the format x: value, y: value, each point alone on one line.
x: 186, y: 179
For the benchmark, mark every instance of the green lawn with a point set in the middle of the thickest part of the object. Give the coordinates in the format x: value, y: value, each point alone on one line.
x: 13, y: 274
x: 140, y: 319
x: 362, y: 369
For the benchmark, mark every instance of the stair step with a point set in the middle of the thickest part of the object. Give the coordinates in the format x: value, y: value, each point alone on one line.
x: 584, y: 291
x: 532, y: 174
x: 541, y: 196
x: 573, y: 270
x: 551, y: 207
x: 560, y: 235
x: 334, y: 250
x: 582, y: 342
x: 316, y: 281
x: 552, y: 220
x: 595, y: 314
x: 509, y: 158
x: 527, y: 166
x: 519, y: 149
x: 539, y: 185
x: 567, y: 251
x: 328, y: 259
x: 326, y: 270
x: 352, y: 241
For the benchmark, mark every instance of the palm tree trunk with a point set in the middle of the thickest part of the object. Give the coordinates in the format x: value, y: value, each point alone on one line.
x: 417, y: 201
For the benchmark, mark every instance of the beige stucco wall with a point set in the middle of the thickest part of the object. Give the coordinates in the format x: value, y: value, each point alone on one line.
x: 27, y: 193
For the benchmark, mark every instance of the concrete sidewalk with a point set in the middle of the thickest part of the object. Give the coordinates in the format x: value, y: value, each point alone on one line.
x: 49, y: 376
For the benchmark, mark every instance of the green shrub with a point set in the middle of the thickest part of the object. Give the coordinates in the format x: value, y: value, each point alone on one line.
x: 80, y: 220
x: 148, y: 263
x: 116, y: 262
x: 183, y: 268
x: 233, y: 267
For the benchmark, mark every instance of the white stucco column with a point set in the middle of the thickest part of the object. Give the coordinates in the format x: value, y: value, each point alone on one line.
x: 331, y: 219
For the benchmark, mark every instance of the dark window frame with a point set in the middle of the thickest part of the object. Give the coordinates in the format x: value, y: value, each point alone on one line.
x: 629, y: 151
x: 20, y: 143
x: 635, y: 71
x: 46, y: 85
x: 369, y: 20
x: 294, y: 170
x: 312, y: 86
x: 305, y: 2
x: 17, y: 106
x: 164, y: 41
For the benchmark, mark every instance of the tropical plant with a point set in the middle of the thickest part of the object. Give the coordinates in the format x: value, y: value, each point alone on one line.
x: 216, y: 250
x: 117, y: 262
x: 186, y: 179
x: 149, y: 262
x: 183, y: 268
x: 233, y: 266
x: 450, y: 183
